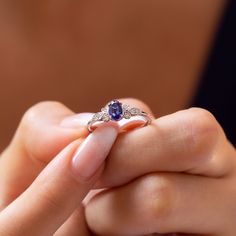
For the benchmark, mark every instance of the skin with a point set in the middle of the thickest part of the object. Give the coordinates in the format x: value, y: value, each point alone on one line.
x: 183, y: 176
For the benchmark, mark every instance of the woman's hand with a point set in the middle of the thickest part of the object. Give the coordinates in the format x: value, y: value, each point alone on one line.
x: 176, y: 175
x: 35, y: 200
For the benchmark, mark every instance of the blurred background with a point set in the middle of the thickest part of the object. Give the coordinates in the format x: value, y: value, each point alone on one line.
x: 85, y: 53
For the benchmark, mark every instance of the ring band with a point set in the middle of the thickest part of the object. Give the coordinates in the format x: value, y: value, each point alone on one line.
x: 117, y: 111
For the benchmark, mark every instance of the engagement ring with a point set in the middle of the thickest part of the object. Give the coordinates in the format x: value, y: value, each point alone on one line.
x: 116, y: 111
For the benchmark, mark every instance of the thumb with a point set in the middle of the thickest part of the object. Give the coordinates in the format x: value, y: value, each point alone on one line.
x: 60, y: 187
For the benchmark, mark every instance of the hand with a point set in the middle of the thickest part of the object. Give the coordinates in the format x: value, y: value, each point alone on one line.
x: 176, y: 175
x: 38, y: 200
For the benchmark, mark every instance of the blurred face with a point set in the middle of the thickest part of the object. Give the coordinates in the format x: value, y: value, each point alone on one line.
x: 85, y: 53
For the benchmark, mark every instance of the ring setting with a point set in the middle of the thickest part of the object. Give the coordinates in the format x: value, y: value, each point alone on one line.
x: 116, y: 111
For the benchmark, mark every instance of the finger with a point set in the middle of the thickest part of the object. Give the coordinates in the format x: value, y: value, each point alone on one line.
x: 60, y: 188
x: 44, y: 130
x: 189, y: 141
x: 45, y: 125
x: 75, y: 225
x: 163, y: 203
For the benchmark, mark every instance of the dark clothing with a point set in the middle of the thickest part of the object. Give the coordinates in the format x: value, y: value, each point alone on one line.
x: 217, y: 91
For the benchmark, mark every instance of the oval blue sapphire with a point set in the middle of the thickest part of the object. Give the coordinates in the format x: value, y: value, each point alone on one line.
x: 115, y: 110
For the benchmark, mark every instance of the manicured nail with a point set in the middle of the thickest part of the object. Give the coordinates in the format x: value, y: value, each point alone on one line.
x: 93, y: 151
x: 77, y: 120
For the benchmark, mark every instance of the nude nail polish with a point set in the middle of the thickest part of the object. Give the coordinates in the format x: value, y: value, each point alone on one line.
x: 93, y: 151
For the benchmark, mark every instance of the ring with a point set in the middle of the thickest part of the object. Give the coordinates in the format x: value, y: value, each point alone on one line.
x: 116, y: 111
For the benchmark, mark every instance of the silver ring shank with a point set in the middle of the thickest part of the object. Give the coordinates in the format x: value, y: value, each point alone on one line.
x: 99, y: 117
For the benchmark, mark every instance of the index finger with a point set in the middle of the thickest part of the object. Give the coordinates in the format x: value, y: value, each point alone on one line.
x: 189, y: 141
x: 44, y: 131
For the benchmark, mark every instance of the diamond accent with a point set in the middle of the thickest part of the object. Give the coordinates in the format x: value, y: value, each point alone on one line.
x: 127, y: 114
x: 135, y: 111
x: 98, y: 116
x: 125, y: 107
x: 104, y: 109
x: 106, y: 117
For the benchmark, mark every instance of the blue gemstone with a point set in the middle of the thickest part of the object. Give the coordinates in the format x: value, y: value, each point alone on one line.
x: 115, y: 110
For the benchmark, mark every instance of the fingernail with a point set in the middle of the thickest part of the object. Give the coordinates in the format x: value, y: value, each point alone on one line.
x: 77, y: 120
x: 93, y: 151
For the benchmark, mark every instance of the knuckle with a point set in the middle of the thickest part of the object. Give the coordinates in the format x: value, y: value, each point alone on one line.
x: 30, y: 119
x: 159, y: 191
x: 201, y: 128
x: 204, y: 121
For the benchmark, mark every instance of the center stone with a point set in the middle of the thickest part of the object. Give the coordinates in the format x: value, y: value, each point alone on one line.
x: 115, y: 110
